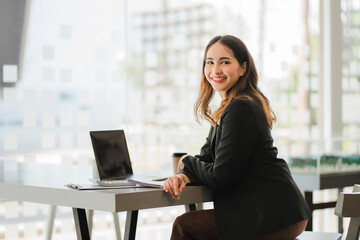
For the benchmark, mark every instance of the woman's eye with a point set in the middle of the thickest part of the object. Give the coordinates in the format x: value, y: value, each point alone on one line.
x: 209, y: 62
x: 225, y: 62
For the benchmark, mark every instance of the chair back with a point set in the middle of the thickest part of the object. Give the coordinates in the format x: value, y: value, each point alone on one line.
x: 348, y: 205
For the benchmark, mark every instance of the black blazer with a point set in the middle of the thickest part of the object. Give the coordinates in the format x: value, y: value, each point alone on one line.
x: 254, y: 193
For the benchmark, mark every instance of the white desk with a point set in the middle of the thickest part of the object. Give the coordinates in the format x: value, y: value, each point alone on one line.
x: 44, y: 183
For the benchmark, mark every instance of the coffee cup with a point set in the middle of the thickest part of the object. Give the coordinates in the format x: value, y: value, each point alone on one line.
x: 176, y: 157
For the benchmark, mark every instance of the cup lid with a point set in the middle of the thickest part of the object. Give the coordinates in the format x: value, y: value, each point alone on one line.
x: 178, y: 154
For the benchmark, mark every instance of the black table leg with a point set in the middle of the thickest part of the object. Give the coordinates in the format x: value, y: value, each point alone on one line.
x: 190, y: 207
x: 81, y: 226
x: 309, y: 201
x: 130, y: 225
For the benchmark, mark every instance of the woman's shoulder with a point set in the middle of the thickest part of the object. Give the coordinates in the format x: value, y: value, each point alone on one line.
x: 240, y: 112
x: 242, y: 103
x: 244, y: 107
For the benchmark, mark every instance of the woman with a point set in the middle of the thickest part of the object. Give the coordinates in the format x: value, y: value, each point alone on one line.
x: 255, y: 196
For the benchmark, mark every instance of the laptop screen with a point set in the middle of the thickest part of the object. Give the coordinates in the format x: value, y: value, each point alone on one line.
x: 111, y: 154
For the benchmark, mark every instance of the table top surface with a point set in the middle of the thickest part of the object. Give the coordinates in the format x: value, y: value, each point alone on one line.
x: 45, y: 183
x: 312, y: 181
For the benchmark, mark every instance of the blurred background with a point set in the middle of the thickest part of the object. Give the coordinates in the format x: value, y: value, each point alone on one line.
x: 71, y: 66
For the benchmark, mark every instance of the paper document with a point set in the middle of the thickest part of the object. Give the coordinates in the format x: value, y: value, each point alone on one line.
x: 147, y: 183
x: 96, y: 186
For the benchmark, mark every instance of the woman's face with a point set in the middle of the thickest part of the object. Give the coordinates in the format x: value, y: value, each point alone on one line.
x: 222, y: 70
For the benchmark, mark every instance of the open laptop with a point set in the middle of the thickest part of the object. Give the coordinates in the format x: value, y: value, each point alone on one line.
x: 112, y: 158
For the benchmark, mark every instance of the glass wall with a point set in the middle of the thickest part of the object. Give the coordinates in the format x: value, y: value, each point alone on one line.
x: 351, y: 74
x: 136, y: 66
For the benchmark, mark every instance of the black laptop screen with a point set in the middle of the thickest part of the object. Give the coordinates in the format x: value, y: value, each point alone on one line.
x: 111, y: 154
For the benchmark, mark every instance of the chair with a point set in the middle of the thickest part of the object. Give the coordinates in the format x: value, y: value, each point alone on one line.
x: 348, y: 205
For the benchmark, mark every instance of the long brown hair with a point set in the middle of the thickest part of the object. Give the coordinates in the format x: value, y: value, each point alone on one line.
x: 245, y: 88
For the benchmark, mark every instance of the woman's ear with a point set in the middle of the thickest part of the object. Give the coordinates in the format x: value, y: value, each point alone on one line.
x: 243, y: 68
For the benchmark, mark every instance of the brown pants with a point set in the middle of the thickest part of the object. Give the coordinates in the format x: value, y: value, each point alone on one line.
x: 200, y: 225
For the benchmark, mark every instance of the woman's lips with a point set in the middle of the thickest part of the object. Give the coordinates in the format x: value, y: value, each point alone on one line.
x: 218, y: 79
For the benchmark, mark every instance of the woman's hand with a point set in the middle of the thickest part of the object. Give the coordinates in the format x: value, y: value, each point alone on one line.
x: 175, y: 185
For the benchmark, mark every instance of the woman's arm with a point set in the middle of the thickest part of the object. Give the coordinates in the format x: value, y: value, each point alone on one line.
x: 205, y: 155
x: 176, y: 184
x: 238, y: 136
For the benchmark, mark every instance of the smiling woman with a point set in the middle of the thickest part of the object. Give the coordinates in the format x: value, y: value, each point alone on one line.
x: 222, y: 70
x: 238, y: 161
x: 228, y: 68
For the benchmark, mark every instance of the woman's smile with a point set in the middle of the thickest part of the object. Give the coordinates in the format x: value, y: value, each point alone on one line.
x: 218, y: 79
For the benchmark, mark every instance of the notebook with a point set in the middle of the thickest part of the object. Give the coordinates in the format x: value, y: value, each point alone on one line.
x: 113, y: 160
x: 147, y: 183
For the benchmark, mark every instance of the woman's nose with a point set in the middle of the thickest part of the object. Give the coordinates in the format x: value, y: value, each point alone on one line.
x: 217, y: 68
